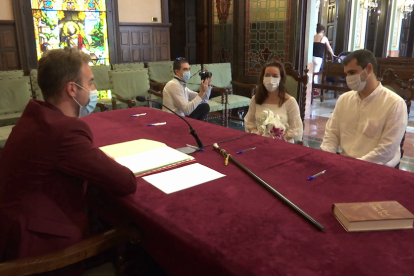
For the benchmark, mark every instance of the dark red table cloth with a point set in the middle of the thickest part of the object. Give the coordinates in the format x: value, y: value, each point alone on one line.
x: 233, y: 226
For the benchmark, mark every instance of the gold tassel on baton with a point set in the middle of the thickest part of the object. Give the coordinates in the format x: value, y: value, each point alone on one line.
x: 270, y: 188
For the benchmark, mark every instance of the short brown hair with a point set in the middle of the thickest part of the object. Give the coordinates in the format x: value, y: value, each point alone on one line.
x: 363, y: 57
x: 261, y: 93
x: 177, y: 63
x: 58, y: 67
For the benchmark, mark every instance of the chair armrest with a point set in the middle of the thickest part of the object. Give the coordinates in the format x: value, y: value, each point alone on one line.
x: 155, y: 93
x: 222, y: 90
x: 244, y: 85
x: 251, y: 86
x: 130, y: 103
x: 319, y: 73
x: 72, y: 254
x: 102, y: 106
x: 158, y: 85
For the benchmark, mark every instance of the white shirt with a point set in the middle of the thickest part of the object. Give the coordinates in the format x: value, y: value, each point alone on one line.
x: 289, y: 116
x: 370, y: 129
x: 180, y: 99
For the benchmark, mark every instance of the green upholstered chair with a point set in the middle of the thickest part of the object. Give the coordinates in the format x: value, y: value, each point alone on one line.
x: 160, y: 72
x: 126, y: 66
x: 126, y: 85
x: 296, y: 87
x: 101, y: 82
x: 222, y: 82
x: 4, y: 134
x: 15, y: 93
x: 13, y: 74
x: 36, y: 92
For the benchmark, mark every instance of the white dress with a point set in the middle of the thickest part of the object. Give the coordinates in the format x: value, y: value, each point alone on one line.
x: 289, y: 116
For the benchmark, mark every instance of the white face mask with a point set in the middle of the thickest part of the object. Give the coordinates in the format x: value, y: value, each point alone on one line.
x: 354, y: 82
x: 93, y: 99
x: 186, y: 76
x: 271, y: 83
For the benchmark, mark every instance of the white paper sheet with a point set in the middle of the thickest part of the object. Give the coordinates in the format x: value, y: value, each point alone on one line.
x: 182, y: 178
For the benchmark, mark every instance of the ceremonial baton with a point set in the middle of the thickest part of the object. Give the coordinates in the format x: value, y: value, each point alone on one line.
x: 270, y: 188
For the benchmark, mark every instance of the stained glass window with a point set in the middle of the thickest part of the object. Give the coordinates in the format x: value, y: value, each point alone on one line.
x: 223, y: 31
x: 72, y: 23
x: 267, y: 33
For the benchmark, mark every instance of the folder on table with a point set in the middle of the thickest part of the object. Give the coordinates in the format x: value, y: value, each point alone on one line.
x: 146, y: 156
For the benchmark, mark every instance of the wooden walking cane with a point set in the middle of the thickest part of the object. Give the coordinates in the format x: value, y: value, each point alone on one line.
x: 270, y: 188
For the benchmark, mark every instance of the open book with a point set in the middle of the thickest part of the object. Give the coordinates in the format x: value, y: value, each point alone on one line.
x: 143, y: 156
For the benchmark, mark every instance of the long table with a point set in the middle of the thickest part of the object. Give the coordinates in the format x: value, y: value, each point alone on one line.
x: 233, y: 226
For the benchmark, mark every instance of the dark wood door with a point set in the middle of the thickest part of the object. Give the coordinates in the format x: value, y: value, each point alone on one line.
x: 176, y: 9
x: 9, y: 52
x: 371, y: 30
x: 342, y: 26
x: 406, y: 39
x: 331, y: 23
x: 191, y: 34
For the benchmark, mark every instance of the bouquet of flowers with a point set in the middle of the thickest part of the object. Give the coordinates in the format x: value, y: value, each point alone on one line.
x: 269, y: 125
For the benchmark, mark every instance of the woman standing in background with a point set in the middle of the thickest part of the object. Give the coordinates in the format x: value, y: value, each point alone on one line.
x: 320, y: 44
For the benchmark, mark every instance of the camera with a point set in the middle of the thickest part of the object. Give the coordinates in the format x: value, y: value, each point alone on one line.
x: 204, y: 74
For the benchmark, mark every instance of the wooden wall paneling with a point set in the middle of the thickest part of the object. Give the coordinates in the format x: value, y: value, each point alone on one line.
x: 146, y: 45
x: 161, y: 37
x: 9, y: 51
x: 144, y: 42
x: 124, y: 41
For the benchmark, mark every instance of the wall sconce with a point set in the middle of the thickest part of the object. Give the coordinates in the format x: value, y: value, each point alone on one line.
x: 406, y: 7
x: 369, y: 4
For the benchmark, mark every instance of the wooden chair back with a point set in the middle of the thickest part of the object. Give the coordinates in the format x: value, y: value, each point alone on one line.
x: 296, y: 86
x: 73, y: 254
x: 391, y: 81
x: 335, y: 70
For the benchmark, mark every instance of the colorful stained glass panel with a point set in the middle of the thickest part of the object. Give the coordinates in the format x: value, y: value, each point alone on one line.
x: 78, y: 24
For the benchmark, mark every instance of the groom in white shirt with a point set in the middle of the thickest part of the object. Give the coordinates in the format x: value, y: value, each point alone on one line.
x: 368, y: 122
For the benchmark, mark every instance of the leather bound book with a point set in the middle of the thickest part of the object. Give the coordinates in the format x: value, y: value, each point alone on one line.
x: 373, y: 216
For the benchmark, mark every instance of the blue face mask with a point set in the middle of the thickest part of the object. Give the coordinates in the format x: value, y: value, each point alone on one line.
x: 186, y: 76
x: 93, y: 99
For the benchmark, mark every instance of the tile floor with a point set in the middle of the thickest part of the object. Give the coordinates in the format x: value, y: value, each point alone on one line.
x: 316, y: 119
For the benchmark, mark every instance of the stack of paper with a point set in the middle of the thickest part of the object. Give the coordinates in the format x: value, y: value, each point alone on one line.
x: 143, y: 155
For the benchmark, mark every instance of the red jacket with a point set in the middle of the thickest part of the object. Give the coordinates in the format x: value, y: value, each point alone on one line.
x: 44, y: 169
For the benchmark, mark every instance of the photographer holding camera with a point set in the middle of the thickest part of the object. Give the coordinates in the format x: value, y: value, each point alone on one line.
x: 182, y: 100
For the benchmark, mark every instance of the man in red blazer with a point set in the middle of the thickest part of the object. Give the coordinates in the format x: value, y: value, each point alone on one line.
x: 49, y: 159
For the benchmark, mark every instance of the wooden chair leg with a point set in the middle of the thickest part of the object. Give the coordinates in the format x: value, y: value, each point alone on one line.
x: 322, y: 90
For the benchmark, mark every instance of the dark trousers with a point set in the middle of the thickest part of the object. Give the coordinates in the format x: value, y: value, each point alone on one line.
x: 201, y: 112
